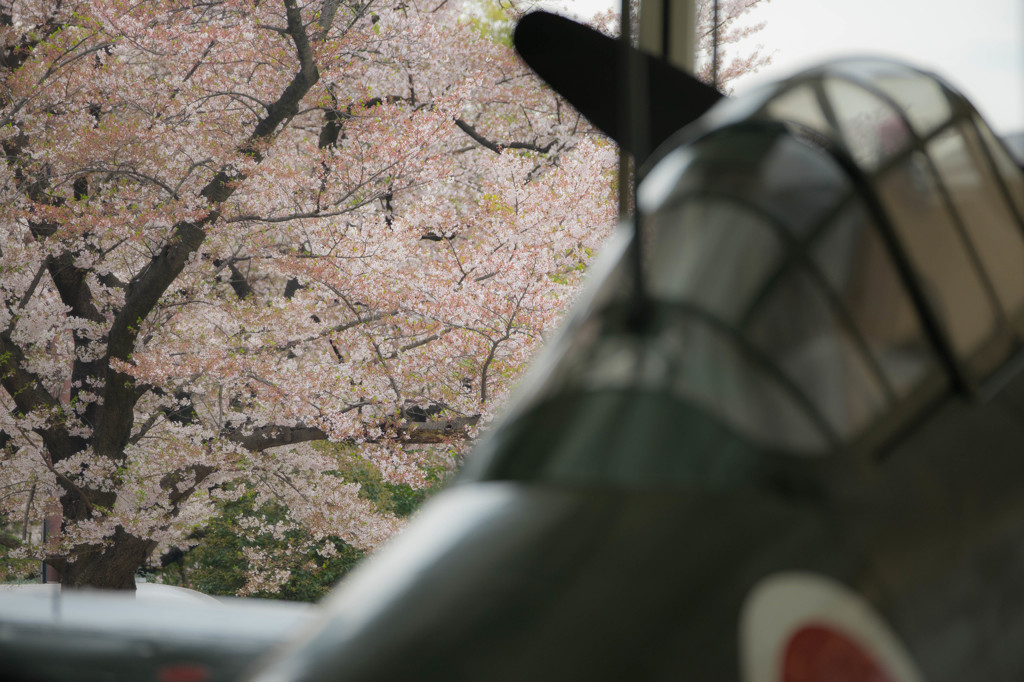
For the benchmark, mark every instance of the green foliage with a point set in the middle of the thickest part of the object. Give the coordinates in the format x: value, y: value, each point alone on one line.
x: 392, y: 498
x: 18, y: 570
x: 491, y: 19
x: 217, y: 564
x: 15, y: 570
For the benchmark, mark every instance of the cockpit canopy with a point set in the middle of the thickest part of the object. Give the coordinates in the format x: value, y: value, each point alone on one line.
x: 824, y: 257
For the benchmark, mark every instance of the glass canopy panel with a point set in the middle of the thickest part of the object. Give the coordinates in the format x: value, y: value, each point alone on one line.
x: 1009, y: 171
x: 922, y: 98
x: 797, y: 328
x: 763, y: 168
x: 689, y: 356
x: 731, y: 382
x: 622, y: 438
x: 798, y: 184
x: 859, y: 268
x: 800, y: 105
x: 693, y: 360
x: 713, y: 253
x: 982, y: 207
x: 951, y: 283
x: 872, y: 131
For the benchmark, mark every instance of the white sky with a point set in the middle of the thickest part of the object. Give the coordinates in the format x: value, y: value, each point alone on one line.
x: 978, y: 46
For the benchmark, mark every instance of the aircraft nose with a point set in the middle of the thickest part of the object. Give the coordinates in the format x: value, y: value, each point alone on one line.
x: 503, y: 581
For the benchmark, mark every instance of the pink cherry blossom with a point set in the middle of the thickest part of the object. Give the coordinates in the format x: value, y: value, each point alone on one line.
x: 234, y: 229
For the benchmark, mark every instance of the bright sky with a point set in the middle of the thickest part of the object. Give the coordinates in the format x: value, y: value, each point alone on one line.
x: 978, y: 46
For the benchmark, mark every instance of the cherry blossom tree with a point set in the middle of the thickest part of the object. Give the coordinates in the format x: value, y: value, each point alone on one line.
x: 731, y: 30
x: 234, y: 228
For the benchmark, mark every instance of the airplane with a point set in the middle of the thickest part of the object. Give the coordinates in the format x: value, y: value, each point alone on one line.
x: 779, y: 439
x: 786, y: 447
x: 158, y: 633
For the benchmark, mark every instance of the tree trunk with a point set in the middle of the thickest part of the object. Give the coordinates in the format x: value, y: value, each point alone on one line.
x: 110, y: 567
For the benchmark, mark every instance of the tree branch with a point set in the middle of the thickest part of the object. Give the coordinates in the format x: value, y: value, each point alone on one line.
x: 288, y: 104
x: 267, y: 437
x: 26, y: 389
x: 496, y: 147
x: 114, y: 424
x: 239, y: 282
x: 437, y: 431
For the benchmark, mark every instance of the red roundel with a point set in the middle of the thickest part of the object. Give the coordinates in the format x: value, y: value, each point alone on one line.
x: 184, y: 672
x: 798, y: 626
x: 818, y: 652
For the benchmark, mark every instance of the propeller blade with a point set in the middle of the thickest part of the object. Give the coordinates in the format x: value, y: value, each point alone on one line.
x: 584, y: 66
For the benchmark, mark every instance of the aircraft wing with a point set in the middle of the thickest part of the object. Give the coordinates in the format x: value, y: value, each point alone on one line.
x: 160, y: 633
